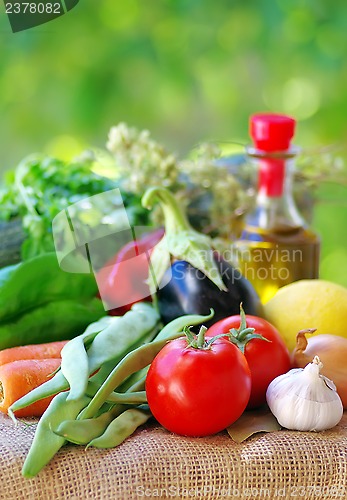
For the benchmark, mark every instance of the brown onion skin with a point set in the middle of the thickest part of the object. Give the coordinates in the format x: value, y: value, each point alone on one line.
x: 331, y: 350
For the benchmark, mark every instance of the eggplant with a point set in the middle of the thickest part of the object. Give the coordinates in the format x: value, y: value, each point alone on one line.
x: 193, y: 277
x: 189, y: 291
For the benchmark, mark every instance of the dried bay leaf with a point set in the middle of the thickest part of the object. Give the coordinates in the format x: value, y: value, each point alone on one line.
x: 251, y: 422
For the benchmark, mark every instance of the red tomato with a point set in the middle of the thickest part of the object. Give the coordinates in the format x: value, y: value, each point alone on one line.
x: 266, y: 360
x: 197, y: 391
x: 122, y: 280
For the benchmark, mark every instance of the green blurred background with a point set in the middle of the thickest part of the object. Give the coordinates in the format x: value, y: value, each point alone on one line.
x: 188, y: 71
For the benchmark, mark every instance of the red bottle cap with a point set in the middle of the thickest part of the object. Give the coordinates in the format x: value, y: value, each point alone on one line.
x: 271, y: 132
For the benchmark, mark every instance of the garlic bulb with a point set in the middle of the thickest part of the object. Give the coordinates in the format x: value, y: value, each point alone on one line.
x: 304, y: 400
x: 331, y: 350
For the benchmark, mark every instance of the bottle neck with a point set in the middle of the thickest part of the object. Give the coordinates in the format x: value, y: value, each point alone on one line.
x: 275, y: 205
x: 272, y: 177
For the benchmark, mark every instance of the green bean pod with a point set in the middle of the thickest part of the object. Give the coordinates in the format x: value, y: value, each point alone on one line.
x: 119, y: 340
x: 134, y: 383
x: 177, y: 324
x: 124, y: 334
x: 122, y: 344
x: 122, y: 358
x: 75, y: 365
x: 46, y: 443
x: 126, y: 398
x: 83, y: 431
x: 134, y: 361
x: 57, y: 383
x: 121, y: 428
x: 138, y: 397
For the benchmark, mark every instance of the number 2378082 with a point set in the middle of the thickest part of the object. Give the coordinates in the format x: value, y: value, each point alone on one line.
x: 33, y: 8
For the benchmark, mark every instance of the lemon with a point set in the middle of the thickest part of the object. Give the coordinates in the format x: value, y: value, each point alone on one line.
x: 308, y: 304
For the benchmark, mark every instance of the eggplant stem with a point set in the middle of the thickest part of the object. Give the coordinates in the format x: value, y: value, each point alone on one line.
x: 175, y: 218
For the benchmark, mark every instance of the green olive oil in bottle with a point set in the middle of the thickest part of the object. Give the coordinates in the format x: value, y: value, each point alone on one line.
x: 276, y: 246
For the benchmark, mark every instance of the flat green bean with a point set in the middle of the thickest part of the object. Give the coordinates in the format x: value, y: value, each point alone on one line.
x: 120, y: 428
x: 120, y: 346
x: 119, y: 350
x: 57, y: 383
x: 46, y: 443
x: 125, y: 333
x: 53, y: 386
x: 83, y: 431
x: 135, y: 382
x: 119, y: 342
x: 75, y: 366
x: 177, y: 325
x: 136, y: 397
x: 135, y: 360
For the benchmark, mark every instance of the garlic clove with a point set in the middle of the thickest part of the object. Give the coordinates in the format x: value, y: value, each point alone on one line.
x: 304, y: 400
x: 329, y: 383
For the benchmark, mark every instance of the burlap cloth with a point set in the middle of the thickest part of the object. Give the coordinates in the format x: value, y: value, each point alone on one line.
x: 154, y: 463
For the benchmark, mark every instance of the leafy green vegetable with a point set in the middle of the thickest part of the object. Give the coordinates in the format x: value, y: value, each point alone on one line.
x: 38, y: 281
x: 56, y: 320
x: 41, y: 303
x: 40, y: 187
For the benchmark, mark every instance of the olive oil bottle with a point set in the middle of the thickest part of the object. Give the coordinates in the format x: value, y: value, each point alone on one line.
x: 276, y: 246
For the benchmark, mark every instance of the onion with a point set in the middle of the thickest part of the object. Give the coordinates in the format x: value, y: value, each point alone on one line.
x: 331, y: 350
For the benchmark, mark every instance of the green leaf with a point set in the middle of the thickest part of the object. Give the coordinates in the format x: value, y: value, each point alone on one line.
x: 252, y: 422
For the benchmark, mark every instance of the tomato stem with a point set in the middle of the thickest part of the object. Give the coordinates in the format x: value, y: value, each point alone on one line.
x: 201, y: 337
x: 241, y: 336
x: 198, y: 341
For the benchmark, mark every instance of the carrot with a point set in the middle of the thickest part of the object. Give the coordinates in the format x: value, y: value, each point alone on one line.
x: 20, y: 377
x: 33, y: 351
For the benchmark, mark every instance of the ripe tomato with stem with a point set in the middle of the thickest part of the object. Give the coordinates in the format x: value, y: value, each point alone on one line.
x: 263, y: 347
x: 197, y: 386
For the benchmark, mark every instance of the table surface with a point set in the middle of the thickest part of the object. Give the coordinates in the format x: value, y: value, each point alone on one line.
x: 154, y: 463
